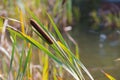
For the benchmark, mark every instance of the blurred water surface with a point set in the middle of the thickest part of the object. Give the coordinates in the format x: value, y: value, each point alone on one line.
x: 97, y: 58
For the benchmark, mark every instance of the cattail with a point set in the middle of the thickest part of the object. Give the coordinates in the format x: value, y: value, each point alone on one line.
x: 41, y: 31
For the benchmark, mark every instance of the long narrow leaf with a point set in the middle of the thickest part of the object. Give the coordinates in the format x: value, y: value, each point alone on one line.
x: 13, y: 51
x: 35, y: 43
x: 22, y: 21
x: 57, y: 31
x: 27, y: 59
x: 108, y: 75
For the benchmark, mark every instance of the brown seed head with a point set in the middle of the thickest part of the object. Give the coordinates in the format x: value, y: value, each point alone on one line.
x: 41, y: 31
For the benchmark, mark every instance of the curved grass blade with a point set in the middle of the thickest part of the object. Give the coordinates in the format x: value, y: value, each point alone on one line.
x: 35, y: 43
x: 21, y: 21
x: 76, y: 60
x: 69, y: 63
x: 45, y: 73
x: 73, y: 61
x: 108, y: 75
x: 69, y: 10
x: 57, y: 31
x: 19, y: 75
x: 27, y: 60
x: 13, y: 51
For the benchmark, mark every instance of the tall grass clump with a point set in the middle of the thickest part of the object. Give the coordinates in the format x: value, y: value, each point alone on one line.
x: 20, y: 65
x: 59, y: 50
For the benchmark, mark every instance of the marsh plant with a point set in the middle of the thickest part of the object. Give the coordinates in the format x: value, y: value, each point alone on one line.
x: 59, y: 51
x: 32, y: 47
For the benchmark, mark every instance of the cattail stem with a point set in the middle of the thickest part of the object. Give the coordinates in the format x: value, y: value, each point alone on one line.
x: 41, y: 31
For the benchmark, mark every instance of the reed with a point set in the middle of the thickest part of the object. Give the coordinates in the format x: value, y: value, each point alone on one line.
x: 62, y: 54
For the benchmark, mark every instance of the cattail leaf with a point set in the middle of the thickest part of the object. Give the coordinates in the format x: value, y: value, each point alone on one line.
x: 108, y: 75
x: 35, y: 43
x: 57, y: 31
x: 22, y: 21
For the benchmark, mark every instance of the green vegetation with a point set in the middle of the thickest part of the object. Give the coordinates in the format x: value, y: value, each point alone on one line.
x: 32, y: 46
x: 63, y: 56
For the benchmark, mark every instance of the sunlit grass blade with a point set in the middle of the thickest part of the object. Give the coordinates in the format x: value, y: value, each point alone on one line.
x: 70, y: 68
x: 1, y: 24
x: 22, y: 21
x: 77, y: 51
x: 108, y: 75
x: 11, y: 19
x: 19, y: 75
x: 57, y: 31
x: 35, y: 43
x: 3, y: 31
x: 76, y: 60
x: 69, y: 60
x: 13, y: 50
x: 72, y: 60
x: 63, y: 55
x: 76, y: 45
x: 35, y: 18
x: 11, y: 56
x: 49, y: 38
x: 2, y: 36
x: 45, y: 68
x: 84, y: 68
x: 54, y: 73
x: 80, y: 75
x: 66, y: 50
x: 28, y: 58
x: 5, y: 52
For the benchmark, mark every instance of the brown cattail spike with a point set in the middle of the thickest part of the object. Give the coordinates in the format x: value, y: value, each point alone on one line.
x: 41, y: 31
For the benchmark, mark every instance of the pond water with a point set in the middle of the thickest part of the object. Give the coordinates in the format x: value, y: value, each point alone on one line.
x: 95, y: 57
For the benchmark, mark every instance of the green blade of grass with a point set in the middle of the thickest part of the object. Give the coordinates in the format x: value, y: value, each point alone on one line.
x: 84, y: 68
x: 45, y: 68
x: 57, y: 31
x: 35, y: 18
x: 27, y: 60
x: 19, y: 75
x: 22, y: 21
x: 76, y: 61
x: 1, y: 24
x: 38, y: 21
x: 13, y: 51
x: 54, y: 73
x: 69, y: 10
x: 67, y: 60
x: 108, y: 75
x: 13, y: 38
x: 73, y: 61
x: 35, y: 43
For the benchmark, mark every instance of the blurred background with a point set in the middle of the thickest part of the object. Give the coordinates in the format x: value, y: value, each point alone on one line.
x: 93, y: 24
x: 98, y: 35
